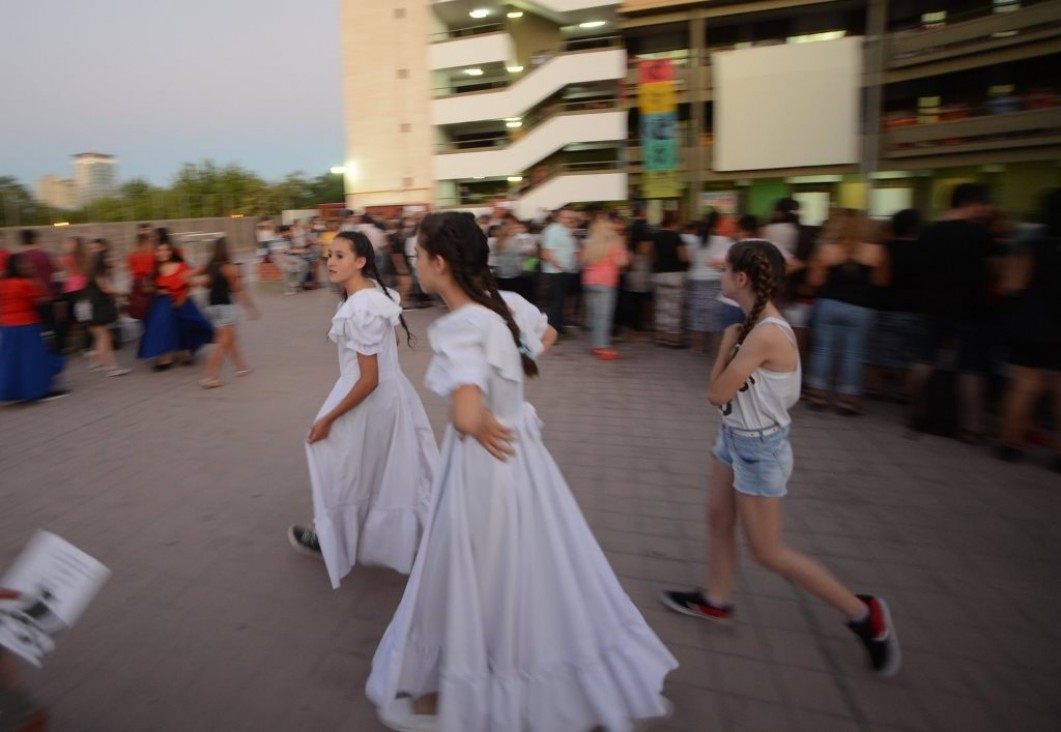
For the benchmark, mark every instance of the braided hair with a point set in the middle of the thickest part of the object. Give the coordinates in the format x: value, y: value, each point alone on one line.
x: 458, y: 239
x: 362, y: 247
x: 764, y: 264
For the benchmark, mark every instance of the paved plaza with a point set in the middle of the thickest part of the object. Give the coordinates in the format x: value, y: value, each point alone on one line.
x: 211, y: 622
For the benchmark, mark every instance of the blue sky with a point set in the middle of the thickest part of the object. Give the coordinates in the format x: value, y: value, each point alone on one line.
x: 254, y: 82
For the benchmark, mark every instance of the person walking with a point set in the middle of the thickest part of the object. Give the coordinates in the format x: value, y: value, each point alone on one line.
x: 512, y: 618
x: 755, y: 381
x: 371, y: 452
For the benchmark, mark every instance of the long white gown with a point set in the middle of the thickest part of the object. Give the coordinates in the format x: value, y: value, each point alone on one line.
x: 372, y: 475
x: 512, y: 612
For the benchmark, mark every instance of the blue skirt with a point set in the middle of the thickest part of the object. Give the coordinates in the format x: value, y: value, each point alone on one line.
x: 168, y: 329
x: 27, y: 367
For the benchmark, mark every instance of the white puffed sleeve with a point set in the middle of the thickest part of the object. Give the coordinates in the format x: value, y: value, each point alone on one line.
x: 460, y: 356
x: 364, y: 322
x: 531, y: 321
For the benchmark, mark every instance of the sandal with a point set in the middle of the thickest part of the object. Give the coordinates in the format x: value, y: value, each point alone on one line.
x: 211, y: 383
x: 816, y: 400
x: 243, y: 372
x: 848, y: 409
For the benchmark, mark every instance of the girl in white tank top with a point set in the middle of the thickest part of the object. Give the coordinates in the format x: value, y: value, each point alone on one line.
x: 755, y: 381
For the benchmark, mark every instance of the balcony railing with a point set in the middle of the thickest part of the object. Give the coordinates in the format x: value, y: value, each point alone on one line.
x: 528, y: 123
x: 475, y: 30
x: 571, y: 46
x: 1036, y: 22
x: 971, y: 134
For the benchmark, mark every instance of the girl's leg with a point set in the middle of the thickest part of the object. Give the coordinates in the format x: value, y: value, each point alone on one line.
x: 594, y: 306
x: 721, y: 534
x: 1020, y: 399
x: 761, y: 520
x: 101, y: 338
x: 607, y: 314
x: 822, y: 352
x: 853, y: 355
x: 234, y: 353
x: 221, y: 344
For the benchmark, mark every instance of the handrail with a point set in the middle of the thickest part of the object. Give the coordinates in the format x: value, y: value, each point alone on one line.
x: 563, y: 49
x: 474, y: 30
x: 555, y: 170
x: 531, y: 122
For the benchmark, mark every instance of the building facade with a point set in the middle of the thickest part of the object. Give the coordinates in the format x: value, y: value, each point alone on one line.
x: 95, y: 176
x: 875, y: 104
x: 57, y: 192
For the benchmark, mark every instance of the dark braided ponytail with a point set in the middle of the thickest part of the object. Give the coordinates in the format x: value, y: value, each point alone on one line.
x: 458, y: 239
x: 765, y: 266
x: 362, y: 247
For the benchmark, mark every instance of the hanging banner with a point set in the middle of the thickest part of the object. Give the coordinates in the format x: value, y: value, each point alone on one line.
x: 657, y: 99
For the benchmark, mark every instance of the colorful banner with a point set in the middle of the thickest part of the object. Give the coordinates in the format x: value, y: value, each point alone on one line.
x: 661, y: 184
x: 657, y: 99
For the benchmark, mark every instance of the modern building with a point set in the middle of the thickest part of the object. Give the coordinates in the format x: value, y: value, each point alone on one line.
x: 57, y: 192
x: 877, y: 104
x: 95, y: 176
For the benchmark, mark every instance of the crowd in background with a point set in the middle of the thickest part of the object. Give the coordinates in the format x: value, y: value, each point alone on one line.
x: 960, y: 318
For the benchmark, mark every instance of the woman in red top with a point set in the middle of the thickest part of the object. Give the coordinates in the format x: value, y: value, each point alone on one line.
x: 174, y: 322
x: 27, y: 368
x: 141, y: 271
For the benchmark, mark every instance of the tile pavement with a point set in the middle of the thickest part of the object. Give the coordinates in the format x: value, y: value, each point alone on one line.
x: 211, y: 622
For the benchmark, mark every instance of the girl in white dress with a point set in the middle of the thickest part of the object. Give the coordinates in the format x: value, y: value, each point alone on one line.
x: 371, y: 451
x: 512, y: 620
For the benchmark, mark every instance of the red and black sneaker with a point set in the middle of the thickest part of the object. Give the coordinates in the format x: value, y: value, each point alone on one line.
x: 696, y: 604
x: 878, y: 636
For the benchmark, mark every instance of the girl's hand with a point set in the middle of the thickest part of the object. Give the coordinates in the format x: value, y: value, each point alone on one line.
x: 495, y: 437
x: 319, y: 431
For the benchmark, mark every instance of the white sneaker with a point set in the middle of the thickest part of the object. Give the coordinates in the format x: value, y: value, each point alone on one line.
x: 399, y: 716
x: 117, y: 371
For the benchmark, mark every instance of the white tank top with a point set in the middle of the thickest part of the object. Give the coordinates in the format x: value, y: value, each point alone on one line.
x: 766, y: 396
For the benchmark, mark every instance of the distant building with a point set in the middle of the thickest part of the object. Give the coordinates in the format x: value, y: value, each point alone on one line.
x: 57, y: 192
x: 95, y: 176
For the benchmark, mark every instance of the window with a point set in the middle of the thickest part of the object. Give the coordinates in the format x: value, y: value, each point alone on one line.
x: 407, y: 182
x: 399, y: 13
x: 935, y: 19
x: 812, y: 37
x: 1005, y: 6
x: 405, y: 127
x: 403, y: 73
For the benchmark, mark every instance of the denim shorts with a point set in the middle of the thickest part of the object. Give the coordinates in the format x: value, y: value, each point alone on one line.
x: 761, y: 464
x: 222, y: 314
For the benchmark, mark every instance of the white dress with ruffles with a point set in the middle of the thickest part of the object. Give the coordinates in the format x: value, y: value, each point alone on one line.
x: 512, y: 613
x: 372, y: 475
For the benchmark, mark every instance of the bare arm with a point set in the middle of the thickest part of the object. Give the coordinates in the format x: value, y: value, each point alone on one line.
x: 471, y: 417
x: 761, y: 345
x: 366, y: 384
x: 725, y: 348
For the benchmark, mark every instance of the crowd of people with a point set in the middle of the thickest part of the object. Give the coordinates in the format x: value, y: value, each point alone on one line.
x: 480, y: 634
x: 958, y: 319
x: 53, y: 309
x: 510, y: 599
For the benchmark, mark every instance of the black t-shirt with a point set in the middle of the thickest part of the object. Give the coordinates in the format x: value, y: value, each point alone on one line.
x: 639, y: 231
x: 903, y: 293
x: 666, y: 244
x: 956, y: 276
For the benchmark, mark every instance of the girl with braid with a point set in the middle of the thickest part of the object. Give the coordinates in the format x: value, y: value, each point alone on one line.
x: 755, y: 381
x: 371, y: 451
x: 512, y: 618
